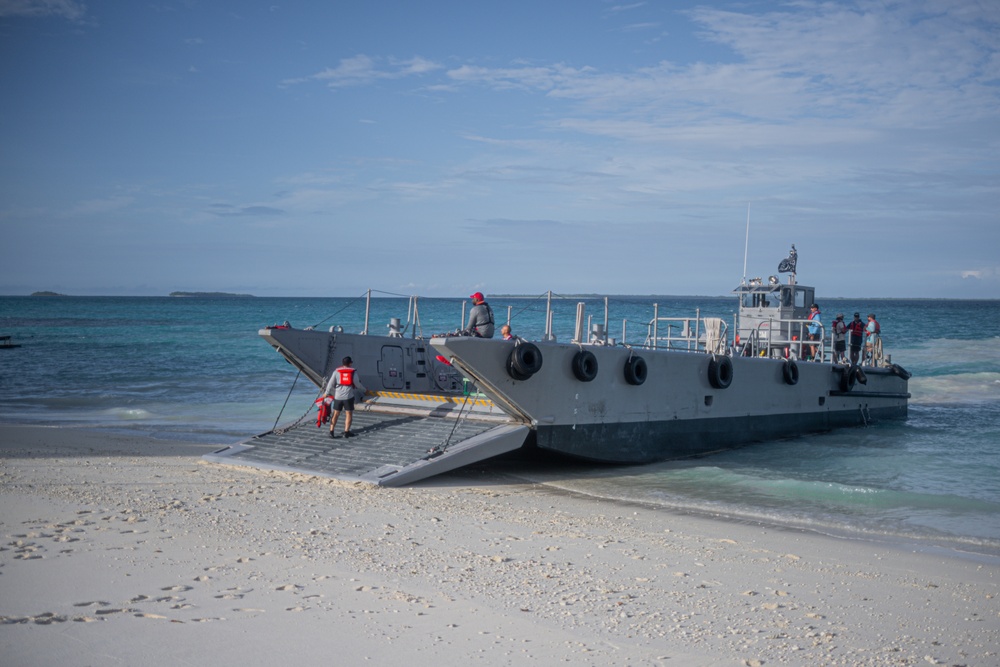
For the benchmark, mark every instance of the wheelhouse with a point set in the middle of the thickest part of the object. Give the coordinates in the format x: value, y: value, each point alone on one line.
x: 773, y: 318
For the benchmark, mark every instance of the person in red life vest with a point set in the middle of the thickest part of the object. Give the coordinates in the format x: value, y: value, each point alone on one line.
x: 505, y: 332
x: 873, y: 329
x: 345, y: 385
x: 815, y: 330
x: 856, y: 329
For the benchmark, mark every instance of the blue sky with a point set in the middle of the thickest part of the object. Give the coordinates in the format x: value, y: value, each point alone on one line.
x: 437, y: 148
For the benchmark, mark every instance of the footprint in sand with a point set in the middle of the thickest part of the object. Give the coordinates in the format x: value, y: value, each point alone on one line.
x: 229, y: 596
x: 105, y: 612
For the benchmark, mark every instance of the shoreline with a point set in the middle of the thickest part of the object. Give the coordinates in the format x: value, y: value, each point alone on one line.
x: 942, y: 545
x: 138, y: 550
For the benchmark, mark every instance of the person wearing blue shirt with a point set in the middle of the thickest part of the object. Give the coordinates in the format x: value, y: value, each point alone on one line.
x: 815, y: 329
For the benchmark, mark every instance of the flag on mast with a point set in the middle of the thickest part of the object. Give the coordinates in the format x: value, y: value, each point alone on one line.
x: 788, y: 265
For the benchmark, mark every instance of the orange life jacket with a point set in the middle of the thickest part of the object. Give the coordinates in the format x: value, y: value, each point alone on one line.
x: 323, y: 416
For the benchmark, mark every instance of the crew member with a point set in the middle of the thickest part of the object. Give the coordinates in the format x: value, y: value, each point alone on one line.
x: 815, y: 330
x: 480, y: 318
x: 345, y: 385
x: 856, y: 329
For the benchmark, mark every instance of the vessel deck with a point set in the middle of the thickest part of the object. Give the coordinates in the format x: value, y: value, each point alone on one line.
x: 388, y: 448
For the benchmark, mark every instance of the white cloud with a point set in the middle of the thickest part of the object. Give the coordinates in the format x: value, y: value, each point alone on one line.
x: 67, y: 9
x: 362, y: 70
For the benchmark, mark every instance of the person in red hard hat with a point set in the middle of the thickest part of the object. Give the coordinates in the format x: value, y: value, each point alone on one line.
x: 480, y: 318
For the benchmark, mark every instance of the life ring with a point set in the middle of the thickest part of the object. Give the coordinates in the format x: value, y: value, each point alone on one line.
x: 720, y: 372
x: 636, y: 370
x: 848, y: 377
x: 790, y: 371
x: 584, y: 366
x: 524, y: 361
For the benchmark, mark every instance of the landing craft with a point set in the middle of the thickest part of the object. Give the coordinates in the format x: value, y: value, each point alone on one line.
x: 694, y: 385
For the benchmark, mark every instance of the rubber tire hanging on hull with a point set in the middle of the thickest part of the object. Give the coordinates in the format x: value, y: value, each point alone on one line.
x: 790, y: 372
x: 720, y: 372
x: 584, y: 366
x: 849, y: 376
x: 900, y: 371
x: 524, y: 361
x: 636, y: 370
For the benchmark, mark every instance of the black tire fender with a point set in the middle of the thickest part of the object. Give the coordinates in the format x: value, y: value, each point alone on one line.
x: 584, y: 366
x: 848, y: 376
x: 900, y: 371
x: 790, y: 372
x: 524, y: 361
x: 720, y: 372
x: 636, y: 370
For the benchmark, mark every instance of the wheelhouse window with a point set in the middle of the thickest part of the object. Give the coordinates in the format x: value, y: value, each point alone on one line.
x: 803, y: 298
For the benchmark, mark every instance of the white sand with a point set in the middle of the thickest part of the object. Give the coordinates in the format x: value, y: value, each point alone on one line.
x: 126, y: 551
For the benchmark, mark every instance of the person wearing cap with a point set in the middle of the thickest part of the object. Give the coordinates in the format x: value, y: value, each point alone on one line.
x: 345, y: 385
x: 839, y: 340
x: 857, y: 335
x: 815, y: 330
x: 481, y: 319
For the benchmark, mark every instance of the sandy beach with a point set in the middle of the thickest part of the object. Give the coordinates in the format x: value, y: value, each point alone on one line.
x: 118, y: 550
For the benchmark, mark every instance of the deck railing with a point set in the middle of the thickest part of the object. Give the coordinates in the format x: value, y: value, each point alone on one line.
x: 785, y: 338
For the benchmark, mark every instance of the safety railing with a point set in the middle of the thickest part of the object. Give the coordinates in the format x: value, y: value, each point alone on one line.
x: 704, y: 334
x: 786, y: 338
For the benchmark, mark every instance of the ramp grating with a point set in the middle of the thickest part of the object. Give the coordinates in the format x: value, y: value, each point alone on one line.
x: 380, y: 440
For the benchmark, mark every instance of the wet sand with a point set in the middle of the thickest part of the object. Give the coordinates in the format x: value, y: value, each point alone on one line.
x: 119, y: 550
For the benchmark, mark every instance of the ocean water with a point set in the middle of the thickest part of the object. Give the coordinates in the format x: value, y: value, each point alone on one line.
x: 195, y: 369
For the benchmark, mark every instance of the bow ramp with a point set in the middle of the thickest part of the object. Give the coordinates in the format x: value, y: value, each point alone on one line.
x: 392, y: 446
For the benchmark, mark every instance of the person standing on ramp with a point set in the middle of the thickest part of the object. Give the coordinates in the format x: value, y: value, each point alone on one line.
x: 345, y: 385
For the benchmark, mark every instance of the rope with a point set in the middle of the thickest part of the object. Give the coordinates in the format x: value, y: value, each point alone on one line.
x: 346, y: 306
x: 282, y: 410
x: 298, y: 421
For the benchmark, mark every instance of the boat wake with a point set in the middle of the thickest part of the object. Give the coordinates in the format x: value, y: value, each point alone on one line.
x: 960, y: 388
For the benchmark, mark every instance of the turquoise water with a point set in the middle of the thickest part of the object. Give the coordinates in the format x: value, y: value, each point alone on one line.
x: 195, y: 368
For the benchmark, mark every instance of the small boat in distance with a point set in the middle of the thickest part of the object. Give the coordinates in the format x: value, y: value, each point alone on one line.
x: 693, y: 385
x: 7, y: 344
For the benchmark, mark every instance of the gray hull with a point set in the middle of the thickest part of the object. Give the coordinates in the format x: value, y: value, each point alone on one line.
x: 676, y: 411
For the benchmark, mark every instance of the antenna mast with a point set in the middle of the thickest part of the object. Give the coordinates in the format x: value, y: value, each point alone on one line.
x: 746, y: 246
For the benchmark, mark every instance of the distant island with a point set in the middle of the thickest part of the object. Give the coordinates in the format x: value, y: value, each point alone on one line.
x: 47, y: 294
x: 211, y: 295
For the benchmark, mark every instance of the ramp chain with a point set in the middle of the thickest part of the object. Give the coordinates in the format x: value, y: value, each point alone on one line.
x: 328, y: 368
x: 461, y: 418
